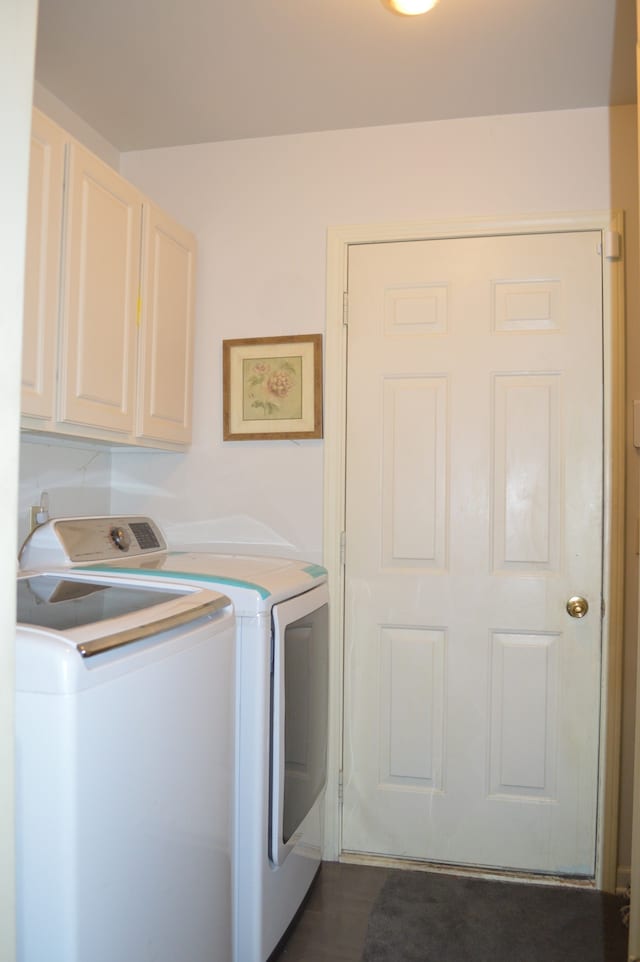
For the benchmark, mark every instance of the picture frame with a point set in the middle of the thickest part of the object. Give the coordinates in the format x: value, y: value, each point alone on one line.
x: 272, y: 388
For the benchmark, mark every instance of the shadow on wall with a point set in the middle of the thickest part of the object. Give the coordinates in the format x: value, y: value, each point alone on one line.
x: 77, y: 479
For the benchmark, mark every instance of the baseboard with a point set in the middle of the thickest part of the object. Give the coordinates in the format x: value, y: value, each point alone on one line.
x: 416, y: 865
x: 623, y: 872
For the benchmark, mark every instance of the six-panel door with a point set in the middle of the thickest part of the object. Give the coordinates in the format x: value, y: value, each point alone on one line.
x: 474, y: 512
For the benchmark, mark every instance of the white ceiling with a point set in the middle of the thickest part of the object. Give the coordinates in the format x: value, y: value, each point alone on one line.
x: 151, y: 73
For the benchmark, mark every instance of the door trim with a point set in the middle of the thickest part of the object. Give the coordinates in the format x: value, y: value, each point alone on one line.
x: 339, y: 239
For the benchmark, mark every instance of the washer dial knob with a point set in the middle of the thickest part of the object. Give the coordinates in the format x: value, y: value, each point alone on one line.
x: 120, y: 538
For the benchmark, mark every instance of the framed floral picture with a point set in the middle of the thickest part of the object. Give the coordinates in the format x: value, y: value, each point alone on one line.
x: 272, y: 388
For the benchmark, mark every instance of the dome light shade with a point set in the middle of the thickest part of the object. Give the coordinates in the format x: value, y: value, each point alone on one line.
x: 409, y: 8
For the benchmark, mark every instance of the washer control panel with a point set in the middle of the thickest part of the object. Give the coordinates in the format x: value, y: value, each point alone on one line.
x: 67, y: 541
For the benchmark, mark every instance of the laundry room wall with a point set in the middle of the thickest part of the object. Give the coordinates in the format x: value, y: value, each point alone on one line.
x: 58, y: 111
x: 75, y: 476
x: 261, y: 209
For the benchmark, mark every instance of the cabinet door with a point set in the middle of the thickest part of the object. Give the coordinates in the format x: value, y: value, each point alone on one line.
x: 166, y: 346
x: 42, y: 268
x: 102, y: 266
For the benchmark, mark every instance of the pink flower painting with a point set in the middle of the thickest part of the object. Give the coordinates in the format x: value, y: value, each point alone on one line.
x: 272, y: 388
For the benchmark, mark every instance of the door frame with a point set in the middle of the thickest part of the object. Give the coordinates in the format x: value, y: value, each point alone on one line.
x: 339, y: 239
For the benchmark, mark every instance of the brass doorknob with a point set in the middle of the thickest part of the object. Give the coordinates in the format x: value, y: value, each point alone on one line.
x: 577, y: 606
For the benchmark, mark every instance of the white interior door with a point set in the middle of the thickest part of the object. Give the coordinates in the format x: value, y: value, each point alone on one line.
x: 473, y: 513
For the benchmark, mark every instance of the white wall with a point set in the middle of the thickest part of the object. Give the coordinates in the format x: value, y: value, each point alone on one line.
x: 260, y: 210
x: 75, y: 125
x: 17, y: 53
x: 76, y: 475
x: 77, y: 478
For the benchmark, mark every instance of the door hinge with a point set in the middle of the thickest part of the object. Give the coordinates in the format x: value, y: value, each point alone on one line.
x: 343, y: 547
x: 345, y: 308
x: 611, y: 244
x: 603, y: 608
x: 340, y: 786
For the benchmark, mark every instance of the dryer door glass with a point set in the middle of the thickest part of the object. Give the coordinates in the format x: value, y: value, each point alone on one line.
x: 299, y: 719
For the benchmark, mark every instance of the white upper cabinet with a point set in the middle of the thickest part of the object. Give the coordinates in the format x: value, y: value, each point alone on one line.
x: 166, y: 333
x: 42, y: 268
x: 101, y: 282
x: 109, y: 304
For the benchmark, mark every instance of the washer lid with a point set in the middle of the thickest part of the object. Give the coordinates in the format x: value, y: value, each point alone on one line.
x: 58, y: 602
x: 95, y: 615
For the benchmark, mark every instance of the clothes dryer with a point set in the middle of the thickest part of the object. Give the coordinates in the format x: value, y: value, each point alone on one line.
x: 281, y: 609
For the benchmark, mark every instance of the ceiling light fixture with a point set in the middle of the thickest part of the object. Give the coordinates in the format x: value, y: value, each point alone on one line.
x: 409, y: 8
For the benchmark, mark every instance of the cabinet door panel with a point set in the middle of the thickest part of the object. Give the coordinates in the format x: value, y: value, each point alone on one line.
x: 102, y: 263
x: 166, y: 357
x: 42, y: 268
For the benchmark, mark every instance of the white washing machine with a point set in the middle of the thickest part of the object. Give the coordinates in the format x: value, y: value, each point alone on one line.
x: 281, y: 609
x: 124, y: 769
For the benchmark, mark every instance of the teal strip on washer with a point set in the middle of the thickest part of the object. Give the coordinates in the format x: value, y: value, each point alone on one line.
x: 176, y: 575
x: 316, y: 571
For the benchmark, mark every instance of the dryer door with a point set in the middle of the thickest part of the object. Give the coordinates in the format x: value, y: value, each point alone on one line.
x: 299, y: 714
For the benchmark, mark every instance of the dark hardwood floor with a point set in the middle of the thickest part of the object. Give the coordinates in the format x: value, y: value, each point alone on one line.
x: 333, y: 923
